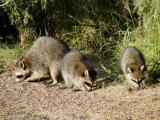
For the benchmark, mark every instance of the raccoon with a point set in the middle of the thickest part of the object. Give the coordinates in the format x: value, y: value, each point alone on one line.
x: 77, y: 72
x: 42, y: 60
x: 133, y: 66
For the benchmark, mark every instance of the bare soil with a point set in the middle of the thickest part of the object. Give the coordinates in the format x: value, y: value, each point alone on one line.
x: 35, y: 101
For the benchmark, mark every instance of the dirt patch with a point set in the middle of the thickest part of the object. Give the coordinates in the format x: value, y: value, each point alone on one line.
x: 35, y: 101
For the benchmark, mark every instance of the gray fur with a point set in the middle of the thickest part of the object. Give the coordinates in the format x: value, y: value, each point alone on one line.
x: 133, y: 66
x: 77, y: 72
x: 43, y: 59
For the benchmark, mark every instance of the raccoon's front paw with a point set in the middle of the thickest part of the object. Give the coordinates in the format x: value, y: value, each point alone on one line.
x: 19, y: 80
x: 28, y: 80
x: 55, y: 82
x: 87, y: 88
x: 75, y: 89
x: 47, y: 82
x: 52, y: 83
x: 62, y: 86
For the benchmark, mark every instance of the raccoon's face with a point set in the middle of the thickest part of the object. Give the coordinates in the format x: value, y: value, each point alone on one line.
x: 136, y: 74
x: 88, y: 78
x: 22, y: 70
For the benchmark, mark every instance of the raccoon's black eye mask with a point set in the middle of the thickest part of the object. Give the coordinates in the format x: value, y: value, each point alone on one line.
x: 88, y: 84
x: 138, y: 82
x: 142, y: 79
x: 134, y: 81
x: 19, y: 76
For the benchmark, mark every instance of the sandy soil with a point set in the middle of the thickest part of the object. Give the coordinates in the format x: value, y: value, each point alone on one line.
x: 35, y: 101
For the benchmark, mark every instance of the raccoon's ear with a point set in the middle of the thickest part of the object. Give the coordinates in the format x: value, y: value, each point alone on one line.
x: 142, y: 67
x: 86, y: 73
x: 22, y: 65
x: 130, y: 70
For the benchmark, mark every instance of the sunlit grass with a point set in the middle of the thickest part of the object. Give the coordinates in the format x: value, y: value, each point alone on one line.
x: 148, y: 42
x: 7, y: 56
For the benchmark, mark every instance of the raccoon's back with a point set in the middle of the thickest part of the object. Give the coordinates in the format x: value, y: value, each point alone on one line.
x: 131, y: 55
x: 74, y: 63
x: 47, y: 49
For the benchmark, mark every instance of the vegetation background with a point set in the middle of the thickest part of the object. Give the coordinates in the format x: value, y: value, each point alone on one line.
x: 102, y: 28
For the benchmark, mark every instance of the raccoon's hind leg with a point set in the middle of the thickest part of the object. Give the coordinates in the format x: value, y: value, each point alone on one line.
x: 67, y: 80
x: 55, y: 72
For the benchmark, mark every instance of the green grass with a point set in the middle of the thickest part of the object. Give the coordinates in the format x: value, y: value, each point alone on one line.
x: 106, y: 36
x: 7, y: 56
x: 108, y: 50
x: 148, y: 42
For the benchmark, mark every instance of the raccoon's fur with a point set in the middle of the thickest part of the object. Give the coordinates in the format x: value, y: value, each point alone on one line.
x: 77, y: 72
x: 133, y: 66
x: 42, y: 60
